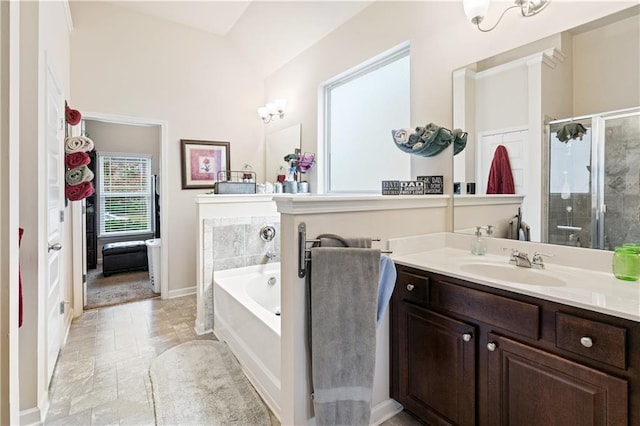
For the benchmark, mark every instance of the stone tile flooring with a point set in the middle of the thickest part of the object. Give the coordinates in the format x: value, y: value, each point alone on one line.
x: 101, y: 377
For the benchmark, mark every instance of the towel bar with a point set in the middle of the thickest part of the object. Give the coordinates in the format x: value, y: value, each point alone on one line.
x: 303, y: 250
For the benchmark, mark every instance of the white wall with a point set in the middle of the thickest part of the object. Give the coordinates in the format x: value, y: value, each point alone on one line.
x: 597, y: 55
x: 9, y: 154
x: 130, y: 64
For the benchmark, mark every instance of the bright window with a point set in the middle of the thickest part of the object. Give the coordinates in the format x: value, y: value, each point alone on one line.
x: 124, y: 191
x: 362, y: 107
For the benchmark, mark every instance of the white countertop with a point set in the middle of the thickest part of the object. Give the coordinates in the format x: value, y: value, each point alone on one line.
x: 590, y: 289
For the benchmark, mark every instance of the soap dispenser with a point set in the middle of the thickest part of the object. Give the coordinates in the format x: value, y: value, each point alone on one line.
x: 478, y: 245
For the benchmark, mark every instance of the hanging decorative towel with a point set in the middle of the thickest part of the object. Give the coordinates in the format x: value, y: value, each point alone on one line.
x: 428, y: 141
x: 500, y: 174
x: 78, y: 175
x: 20, y: 232
x: 77, y: 159
x: 77, y: 144
x: 79, y: 192
x: 72, y: 116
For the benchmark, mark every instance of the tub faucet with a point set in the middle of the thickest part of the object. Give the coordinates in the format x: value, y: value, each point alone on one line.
x: 270, y: 255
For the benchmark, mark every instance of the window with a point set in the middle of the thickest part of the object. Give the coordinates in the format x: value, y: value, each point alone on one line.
x: 124, y: 192
x: 361, y: 109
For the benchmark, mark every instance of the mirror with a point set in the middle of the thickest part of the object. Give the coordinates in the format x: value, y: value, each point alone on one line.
x: 521, y: 99
x: 279, y: 144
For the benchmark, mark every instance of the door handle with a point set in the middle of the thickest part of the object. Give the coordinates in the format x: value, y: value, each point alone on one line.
x: 54, y: 247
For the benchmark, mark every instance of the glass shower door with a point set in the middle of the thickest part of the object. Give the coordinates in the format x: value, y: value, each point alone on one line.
x: 618, y: 204
x: 569, y: 214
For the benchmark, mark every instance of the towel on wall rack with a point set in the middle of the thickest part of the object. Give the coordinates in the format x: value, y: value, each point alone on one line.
x: 343, y: 294
x: 386, y: 284
x: 332, y: 240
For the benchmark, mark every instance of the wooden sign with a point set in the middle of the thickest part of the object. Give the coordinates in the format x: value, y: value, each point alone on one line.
x: 403, y: 187
x: 432, y: 184
x: 390, y: 187
x: 411, y: 187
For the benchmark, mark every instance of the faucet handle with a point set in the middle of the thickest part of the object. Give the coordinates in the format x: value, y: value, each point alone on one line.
x: 537, y: 259
x: 514, y: 254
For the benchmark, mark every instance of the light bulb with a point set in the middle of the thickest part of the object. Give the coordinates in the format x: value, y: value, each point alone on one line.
x: 475, y: 9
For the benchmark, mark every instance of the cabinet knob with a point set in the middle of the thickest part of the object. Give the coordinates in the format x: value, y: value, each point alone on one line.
x: 491, y: 346
x: 466, y: 337
x: 410, y: 287
x: 586, y: 342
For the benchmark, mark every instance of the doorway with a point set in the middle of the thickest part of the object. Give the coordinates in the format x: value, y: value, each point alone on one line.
x: 123, y: 215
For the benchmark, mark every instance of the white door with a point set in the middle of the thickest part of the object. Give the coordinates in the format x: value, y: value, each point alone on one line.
x: 516, y: 143
x: 54, y: 200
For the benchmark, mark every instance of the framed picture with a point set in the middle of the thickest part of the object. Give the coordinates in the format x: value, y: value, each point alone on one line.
x: 201, y: 162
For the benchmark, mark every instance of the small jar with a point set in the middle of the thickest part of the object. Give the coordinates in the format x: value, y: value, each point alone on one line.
x: 626, y: 263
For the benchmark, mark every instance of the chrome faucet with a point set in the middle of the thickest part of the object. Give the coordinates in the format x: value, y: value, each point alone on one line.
x: 519, y: 258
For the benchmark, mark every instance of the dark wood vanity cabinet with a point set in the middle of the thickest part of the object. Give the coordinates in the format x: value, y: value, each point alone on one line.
x: 438, y: 385
x: 467, y: 354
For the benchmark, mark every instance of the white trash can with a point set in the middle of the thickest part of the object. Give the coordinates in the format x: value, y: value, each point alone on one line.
x: 153, y: 257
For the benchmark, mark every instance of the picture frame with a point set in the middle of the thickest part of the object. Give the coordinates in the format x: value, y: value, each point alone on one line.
x: 201, y: 161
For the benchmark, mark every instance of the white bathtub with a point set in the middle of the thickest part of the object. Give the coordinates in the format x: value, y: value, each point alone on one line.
x: 245, y: 306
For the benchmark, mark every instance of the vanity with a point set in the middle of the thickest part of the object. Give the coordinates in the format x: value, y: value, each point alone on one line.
x: 476, y: 341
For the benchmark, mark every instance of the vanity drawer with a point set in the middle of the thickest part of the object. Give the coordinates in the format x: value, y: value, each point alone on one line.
x: 596, y: 340
x: 519, y: 317
x: 411, y: 287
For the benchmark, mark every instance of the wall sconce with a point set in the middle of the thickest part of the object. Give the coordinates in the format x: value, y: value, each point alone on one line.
x: 272, y: 111
x: 476, y: 9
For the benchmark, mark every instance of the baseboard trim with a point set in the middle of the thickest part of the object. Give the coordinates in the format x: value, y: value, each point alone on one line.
x: 379, y: 413
x: 181, y: 292
x: 30, y: 417
x: 384, y: 411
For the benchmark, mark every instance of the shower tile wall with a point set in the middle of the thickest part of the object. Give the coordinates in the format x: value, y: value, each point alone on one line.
x: 622, y: 181
x: 234, y: 242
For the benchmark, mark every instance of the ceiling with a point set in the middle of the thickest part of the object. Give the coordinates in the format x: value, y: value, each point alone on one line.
x: 269, y: 33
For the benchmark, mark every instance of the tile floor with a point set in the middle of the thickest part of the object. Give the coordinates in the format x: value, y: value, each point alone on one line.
x: 101, y: 377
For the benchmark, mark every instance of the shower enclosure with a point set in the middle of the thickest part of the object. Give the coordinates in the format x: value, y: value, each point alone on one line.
x: 594, y: 180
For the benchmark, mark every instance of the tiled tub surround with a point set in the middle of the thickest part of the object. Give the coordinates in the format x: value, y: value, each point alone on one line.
x: 234, y: 242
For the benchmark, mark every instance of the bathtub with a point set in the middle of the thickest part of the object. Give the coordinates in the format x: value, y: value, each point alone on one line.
x: 246, y: 316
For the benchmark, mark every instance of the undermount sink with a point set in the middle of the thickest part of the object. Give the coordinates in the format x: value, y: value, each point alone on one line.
x: 514, y: 274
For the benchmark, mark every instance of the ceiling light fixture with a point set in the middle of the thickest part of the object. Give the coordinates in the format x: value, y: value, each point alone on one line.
x: 476, y: 9
x: 272, y: 111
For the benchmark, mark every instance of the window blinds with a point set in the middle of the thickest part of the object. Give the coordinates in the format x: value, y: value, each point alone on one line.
x: 124, y: 191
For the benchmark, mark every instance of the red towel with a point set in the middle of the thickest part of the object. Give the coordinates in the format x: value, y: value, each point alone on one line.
x: 20, y: 232
x: 76, y: 159
x: 500, y: 175
x: 78, y: 192
x: 73, y: 116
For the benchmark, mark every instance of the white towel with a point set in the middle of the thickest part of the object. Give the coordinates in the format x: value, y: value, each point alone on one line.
x: 77, y: 144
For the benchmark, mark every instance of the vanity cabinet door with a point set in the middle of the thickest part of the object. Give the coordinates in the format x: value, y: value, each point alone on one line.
x: 436, y: 371
x: 530, y: 387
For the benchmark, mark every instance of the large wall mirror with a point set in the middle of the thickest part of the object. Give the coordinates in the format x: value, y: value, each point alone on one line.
x: 279, y: 144
x: 567, y: 110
